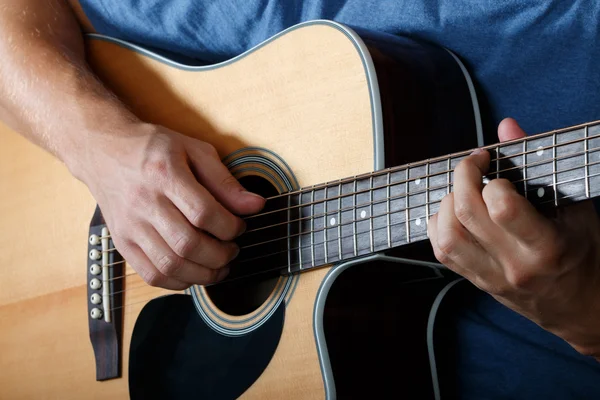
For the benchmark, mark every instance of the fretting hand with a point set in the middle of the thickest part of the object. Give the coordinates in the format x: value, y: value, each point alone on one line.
x: 545, y: 269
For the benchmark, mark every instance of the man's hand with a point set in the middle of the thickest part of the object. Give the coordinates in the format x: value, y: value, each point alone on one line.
x: 169, y: 202
x: 545, y: 269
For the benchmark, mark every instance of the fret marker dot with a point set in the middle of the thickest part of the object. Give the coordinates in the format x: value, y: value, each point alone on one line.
x: 540, y: 151
x: 540, y: 192
x: 417, y: 181
x: 363, y: 214
x: 332, y: 221
x: 418, y: 222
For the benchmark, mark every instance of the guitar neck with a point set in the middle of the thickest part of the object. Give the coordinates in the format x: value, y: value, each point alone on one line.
x: 366, y: 214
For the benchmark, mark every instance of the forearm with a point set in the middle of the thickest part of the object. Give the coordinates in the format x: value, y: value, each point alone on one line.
x: 47, y: 92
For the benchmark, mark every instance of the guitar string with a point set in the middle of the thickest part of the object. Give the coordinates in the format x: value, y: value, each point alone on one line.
x: 423, y: 163
x: 280, y: 268
x: 358, y: 233
x: 400, y: 196
x: 372, y: 217
x: 411, y: 193
x: 402, y: 168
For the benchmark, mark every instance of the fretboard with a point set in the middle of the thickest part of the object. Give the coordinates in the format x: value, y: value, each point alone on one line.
x: 365, y: 214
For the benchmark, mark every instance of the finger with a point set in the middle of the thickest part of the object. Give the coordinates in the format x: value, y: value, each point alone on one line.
x: 432, y: 232
x: 215, y: 176
x: 456, y: 243
x: 509, y: 129
x: 188, y: 242
x: 469, y: 206
x: 138, y: 260
x: 201, y: 209
x: 173, y: 266
x: 515, y: 215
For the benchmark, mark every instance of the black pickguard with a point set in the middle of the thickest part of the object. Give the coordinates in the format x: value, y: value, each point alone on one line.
x: 175, y: 355
x: 375, y: 324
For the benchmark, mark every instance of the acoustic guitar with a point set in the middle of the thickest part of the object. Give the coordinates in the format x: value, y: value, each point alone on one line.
x: 352, y: 137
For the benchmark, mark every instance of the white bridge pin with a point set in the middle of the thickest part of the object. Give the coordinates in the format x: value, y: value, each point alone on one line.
x: 95, y: 284
x: 95, y: 254
x: 95, y: 269
x: 96, y: 313
x: 95, y: 240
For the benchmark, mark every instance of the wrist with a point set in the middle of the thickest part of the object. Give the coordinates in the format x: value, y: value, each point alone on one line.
x: 87, y: 150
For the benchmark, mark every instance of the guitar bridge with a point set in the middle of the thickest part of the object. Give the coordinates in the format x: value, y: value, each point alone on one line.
x: 105, y: 278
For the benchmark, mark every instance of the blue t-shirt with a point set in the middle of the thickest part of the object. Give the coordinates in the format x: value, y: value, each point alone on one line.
x: 536, y: 61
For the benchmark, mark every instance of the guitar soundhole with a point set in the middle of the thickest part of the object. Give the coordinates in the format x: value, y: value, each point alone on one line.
x: 263, y: 254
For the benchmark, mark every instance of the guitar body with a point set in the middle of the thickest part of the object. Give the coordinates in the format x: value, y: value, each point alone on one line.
x: 316, y: 103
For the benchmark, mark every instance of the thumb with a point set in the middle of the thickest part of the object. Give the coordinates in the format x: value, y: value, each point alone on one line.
x: 509, y: 129
x: 226, y: 189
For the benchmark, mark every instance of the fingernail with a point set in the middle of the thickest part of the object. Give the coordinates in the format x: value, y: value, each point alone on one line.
x: 223, y: 273
x: 477, y: 151
x: 253, y: 194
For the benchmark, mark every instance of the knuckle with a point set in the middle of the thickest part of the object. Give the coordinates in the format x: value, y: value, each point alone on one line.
x: 502, y: 205
x: 226, y: 256
x: 209, y: 277
x: 158, y: 169
x: 519, y: 279
x: 208, y: 149
x: 463, y: 211
x: 185, y: 245
x: 170, y: 265
x: 199, y: 216
x: 137, y: 194
x: 441, y: 256
x: 449, y: 241
x: 463, y: 166
x: 153, y: 278
x: 233, y: 231
x: 230, y: 182
x: 503, y: 210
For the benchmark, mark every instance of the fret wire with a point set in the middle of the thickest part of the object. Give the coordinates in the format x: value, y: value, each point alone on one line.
x: 354, y: 224
x: 525, y: 167
x: 389, y: 230
x: 587, y: 167
x: 497, y: 162
x: 312, y: 227
x: 427, y: 195
x: 300, y: 230
x: 554, y: 169
x: 569, y: 155
x: 441, y: 158
x: 416, y: 206
x: 448, y: 176
x: 325, y: 224
x: 406, y: 207
x: 424, y: 238
x: 414, y: 219
x: 431, y: 188
x: 340, y: 222
x: 434, y: 202
x: 371, y: 212
x: 289, y: 253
